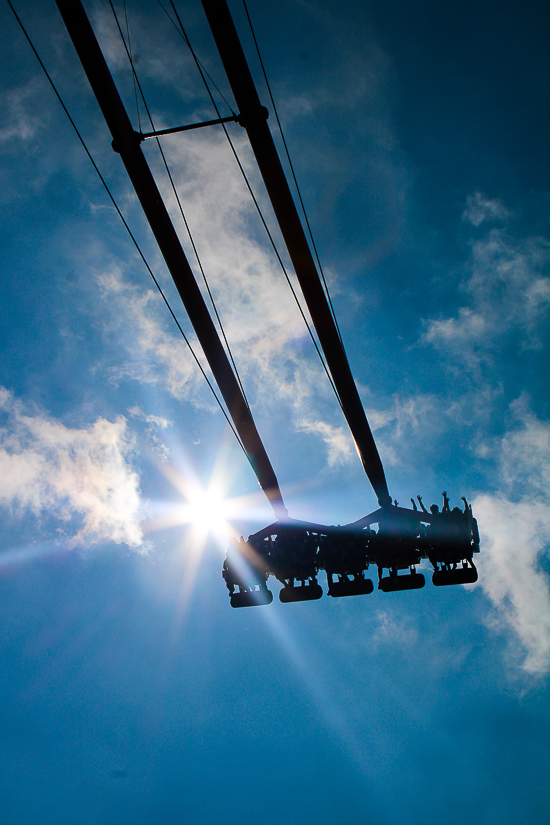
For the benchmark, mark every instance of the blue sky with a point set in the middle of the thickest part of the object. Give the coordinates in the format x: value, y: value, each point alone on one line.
x: 131, y: 692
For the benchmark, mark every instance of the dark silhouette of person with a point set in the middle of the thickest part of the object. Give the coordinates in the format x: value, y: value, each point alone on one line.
x: 421, y: 505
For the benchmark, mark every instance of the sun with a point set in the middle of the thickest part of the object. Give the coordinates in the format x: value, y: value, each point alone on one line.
x: 206, y: 510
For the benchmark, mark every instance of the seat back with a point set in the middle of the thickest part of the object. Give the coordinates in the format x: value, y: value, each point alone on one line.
x: 251, y: 598
x: 460, y: 575
x: 355, y: 587
x: 411, y: 581
x: 302, y: 593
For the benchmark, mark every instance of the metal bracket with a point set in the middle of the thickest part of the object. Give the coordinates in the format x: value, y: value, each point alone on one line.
x: 147, y: 135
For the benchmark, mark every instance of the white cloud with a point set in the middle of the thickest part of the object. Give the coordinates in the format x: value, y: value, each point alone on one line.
x: 515, y: 535
x: 267, y: 336
x: 394, y: 629
x: 338, y: 441
x: 409, y: 421
x: 265, y: 330
x: 525, y: 453
x: 255, y: 303
x: 506, y: 280
x: 508, y: 291
x: 81, y: 477
x: 469, y: 326
x: 158, y: 53
x: 19, y: 116
x: 157, y: 356
x: 154, y: 424
x: 154, y: 420
x: 479, y: 208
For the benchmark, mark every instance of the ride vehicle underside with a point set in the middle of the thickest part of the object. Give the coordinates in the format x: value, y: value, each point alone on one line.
x: 295, y: 552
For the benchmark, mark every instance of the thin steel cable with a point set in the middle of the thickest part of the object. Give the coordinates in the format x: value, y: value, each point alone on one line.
x: 183, y: 34
x: 132, y: 237
x: 131, y: 61
x: 186, y: 224
x: 291, y: 165
x: 197, y: 61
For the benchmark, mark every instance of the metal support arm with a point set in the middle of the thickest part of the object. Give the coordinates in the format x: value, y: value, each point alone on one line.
x: 253, y: 118
x: 124, y: 138
x: 174, y: 130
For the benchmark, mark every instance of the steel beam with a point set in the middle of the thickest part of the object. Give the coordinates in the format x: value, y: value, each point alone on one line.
x: 127, y: 143
x: 253, y: 116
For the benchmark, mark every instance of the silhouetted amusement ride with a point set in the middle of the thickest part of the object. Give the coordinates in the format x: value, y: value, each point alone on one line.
x: 394, y: 540
x: 294, y: 552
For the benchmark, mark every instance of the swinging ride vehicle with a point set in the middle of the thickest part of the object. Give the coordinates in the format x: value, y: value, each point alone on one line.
x: 290, y: 550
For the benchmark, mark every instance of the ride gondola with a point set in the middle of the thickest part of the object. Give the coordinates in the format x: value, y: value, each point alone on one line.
x: 296, y: 552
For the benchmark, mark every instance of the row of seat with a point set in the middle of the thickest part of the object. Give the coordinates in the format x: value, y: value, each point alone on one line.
x: 257, y: 593
x: 294, y: 553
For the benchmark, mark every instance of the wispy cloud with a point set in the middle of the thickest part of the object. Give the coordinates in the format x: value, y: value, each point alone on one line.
x: 158, y: 54
x: 82, y: 477
x: 480, y: 209
x: 355, y: 162
x: 153, y: 420
x: 337, y: 440
x: 409, y: 424
x: 20, y: 117
x: 154, y: 424
x: 156, y: 356
x: 508, y: 292
x: 262, y: 322
x: 461, y: 331
x: 515, y: 533
x: 271, y: 366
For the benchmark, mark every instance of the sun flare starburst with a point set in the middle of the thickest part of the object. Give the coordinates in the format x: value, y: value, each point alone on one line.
x: 207, y: 511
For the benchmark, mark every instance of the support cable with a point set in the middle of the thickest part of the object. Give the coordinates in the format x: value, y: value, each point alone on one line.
x: 291, y: 165
x: 129, y: 53
x: 201, y: 67
x: 126, y: 226
x: 127, y: 143
x: 184, y: 36
x: 272, y: 492
x: 254, y: 118
x: 176, y: 195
